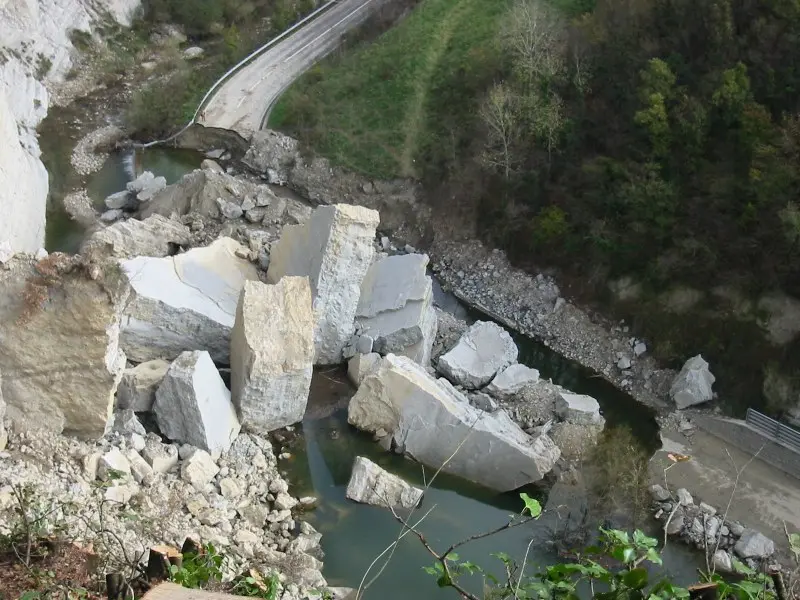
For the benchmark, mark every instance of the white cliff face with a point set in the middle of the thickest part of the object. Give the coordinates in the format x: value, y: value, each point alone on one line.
x: 35, y: 45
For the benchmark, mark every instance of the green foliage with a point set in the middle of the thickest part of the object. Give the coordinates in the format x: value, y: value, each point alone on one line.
x: 620, y: 567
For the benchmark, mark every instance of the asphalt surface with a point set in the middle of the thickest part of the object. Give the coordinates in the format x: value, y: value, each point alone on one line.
x: 243, y: 102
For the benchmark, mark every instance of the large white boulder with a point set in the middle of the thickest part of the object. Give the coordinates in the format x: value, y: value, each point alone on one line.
x: 334, y: 250
x: 59, y: 345
x: 272, y: 353
x: 483, y: 350
x: 395, y: 307
x: 370, y: 484
x: 184, y: 302
x: 693, y: 384
x: 430, y: 419
x: 193, y: 406
x: 156, y: 236
x: 511, y: 380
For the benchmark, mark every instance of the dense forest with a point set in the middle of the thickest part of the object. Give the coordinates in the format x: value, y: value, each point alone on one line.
x: 655, y: 138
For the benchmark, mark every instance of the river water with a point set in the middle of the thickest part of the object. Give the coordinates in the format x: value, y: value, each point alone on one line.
x: 354, y: 534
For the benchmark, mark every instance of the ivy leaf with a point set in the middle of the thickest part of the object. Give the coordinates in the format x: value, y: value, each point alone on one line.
x: 643, y: 541
x: 653, y: 556
x: 451, y: 556
x: 635, y: 578
x: 531, y: 505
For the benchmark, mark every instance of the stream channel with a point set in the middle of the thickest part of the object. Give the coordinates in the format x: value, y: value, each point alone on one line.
x: 322, y: 456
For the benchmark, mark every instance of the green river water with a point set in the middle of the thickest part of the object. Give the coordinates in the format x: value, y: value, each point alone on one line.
x: 354, y: 534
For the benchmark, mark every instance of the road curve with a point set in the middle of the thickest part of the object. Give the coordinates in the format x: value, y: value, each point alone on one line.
x: 243, y: 102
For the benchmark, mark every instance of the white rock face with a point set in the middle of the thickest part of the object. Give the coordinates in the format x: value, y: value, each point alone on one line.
x: 59, y: 350
x: 579, y: 409
x: 429, y: 419
x: 272, y: 353
x: 193, y: 406
x: 693, y: 384
x: 334, y: 250
x: 33, y: 34
x: 511, y: 380
x: 184, y: 302
x: 370, y: 484
x: 395, y: 307
x: 483, y: 350
x: 137, y: 390
x: 155, y: 236
x: 361, y: 365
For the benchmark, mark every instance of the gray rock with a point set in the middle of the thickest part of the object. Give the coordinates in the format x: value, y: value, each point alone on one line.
x: 142, y: 472
x: 684, y: 497
x: 161, y: 457
x: 193, y: 52
x: 395, y: 307
x: 675, y: 525
x: 722, y: 562
x: 120, y: 200
x: 126, y: 423
x: 708, y: 509
x: 113, y: 464
x: 361, y: 365
x: 370, y: 484
x: 137, y: 390
x: 429, y: 419
x: 194, y: 406
x: 659, y: 493
x: 334, y: 250
x: 639, y: 349
x: 483, y: 402
x: 579, y: 409
x: 211, y: 165
x: 184, y: 302
x: 737, y: 529
x: 483, y: 350
x: 364, y: 344
x: 229, y: 210
x: 624, y: 363
x: 693, y: 384
x: 156, y: 236
x: 198, y: 470
x: 511, y: 380
x: 272, y: 353
x: 754, y: 544
x: 112, y: 215
x: 141, y: 183
x: 151, y: 189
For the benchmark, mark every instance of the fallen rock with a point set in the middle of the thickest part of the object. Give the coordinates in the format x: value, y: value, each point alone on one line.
x: 156, y: 236
x: 659, y: 494
x: 334, y: 250
x: 361, y: 365
x: 184, y: 302
x: 754, y: 544
x: 483, y: 350
x: 395, y: 307
x: 579, y: 409
x: 429, y: 419
x: 193, y: 52
x: 272, y: 353
x: 113, y: 464
x: 511, y: 380
x: 211, y: 165
x: 370, y: 484
x: 722, y: 562
x: 193, y: 405
x: 125, y: 422
x: 146, y: 185
x: 121, y: 199
x: 199, y: 469
x: 684, y: 497
x: 693, y: 384
x: 142, y: 472
x: 137, y: 390
x: 575, y: 440
x: 161, y: 457
x: 59, y: 346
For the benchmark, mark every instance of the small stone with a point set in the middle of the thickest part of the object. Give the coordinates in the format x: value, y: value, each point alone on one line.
x: 229, y: 488
x: 483, y: 402
x: 364, y: 344
x: 675, y: 524
x: 142, y: 472
x: 639, y: 349
x: 245, y: 537
x: 111, y: 215
x: 624, y: 363
x: 284, y: 501
x: 708, y: 509
x: 199, y: 470
x: 255, y: 514
x: 121, y: 494
x: 229, y: 210
x: 162, y: 457
x: 722, y: 562
x: 113, y: 464
x: 659, y: 493
x: 684, y: 497
x: 248, y: 204
x: 91, y: 463
x: 278, y: 486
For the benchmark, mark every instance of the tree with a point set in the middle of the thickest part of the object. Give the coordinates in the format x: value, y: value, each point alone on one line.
x: 499, y: 114
x: 534, y: 37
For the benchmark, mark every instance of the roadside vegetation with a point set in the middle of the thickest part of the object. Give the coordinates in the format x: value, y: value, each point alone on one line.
x: 227, y: 30
x: 646, y: 139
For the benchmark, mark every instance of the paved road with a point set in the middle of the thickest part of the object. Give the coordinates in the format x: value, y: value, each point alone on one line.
x: 244, y: 101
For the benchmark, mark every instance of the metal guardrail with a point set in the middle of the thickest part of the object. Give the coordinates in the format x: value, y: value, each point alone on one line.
x: 234, y: 69
x: 775, y: 429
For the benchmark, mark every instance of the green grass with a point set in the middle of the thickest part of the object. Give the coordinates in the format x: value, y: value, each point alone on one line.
x: 381, y: 107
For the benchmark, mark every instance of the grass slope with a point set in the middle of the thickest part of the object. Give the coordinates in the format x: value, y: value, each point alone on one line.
x: 377, y: 108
